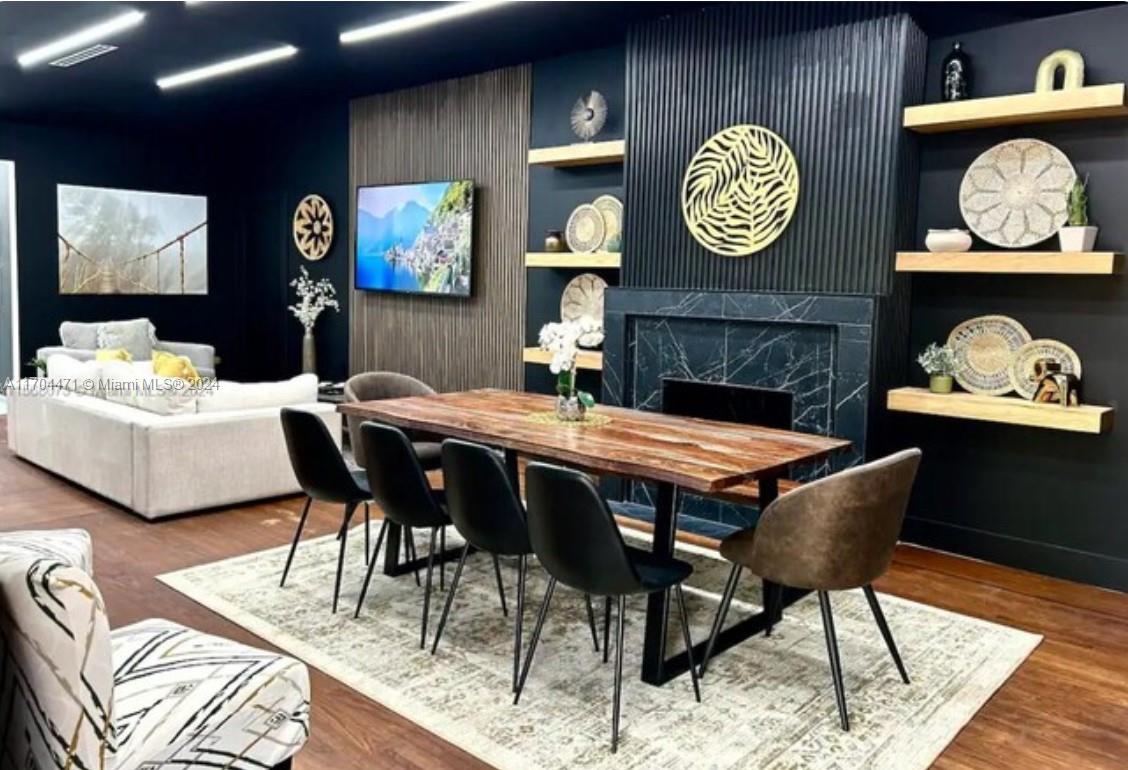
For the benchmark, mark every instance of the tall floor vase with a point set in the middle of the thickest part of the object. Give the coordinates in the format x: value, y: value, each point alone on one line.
x: 309, y: 353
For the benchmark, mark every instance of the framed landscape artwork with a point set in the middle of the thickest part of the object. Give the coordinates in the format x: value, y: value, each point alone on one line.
x: 415, y: 238
x: 131, y: 242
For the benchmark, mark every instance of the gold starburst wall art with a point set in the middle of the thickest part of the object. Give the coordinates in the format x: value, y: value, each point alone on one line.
x: 313, y: 227
x: 740, y: 190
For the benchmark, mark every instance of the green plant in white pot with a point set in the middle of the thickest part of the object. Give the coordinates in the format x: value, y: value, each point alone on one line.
x: 1077, y: 234
x: 939, y: 362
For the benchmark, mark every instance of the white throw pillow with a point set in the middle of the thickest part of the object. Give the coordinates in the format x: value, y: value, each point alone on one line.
x: 134, y: 384
x: 227, y: 395
x: 68, y: 373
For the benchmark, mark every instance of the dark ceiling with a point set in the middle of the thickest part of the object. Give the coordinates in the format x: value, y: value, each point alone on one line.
x: 120, y: 88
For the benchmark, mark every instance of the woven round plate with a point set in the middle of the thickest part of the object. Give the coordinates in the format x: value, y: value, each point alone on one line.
x: 584, y: 231
x: 1022, y: 368
x: 1014, y: 195
x: 549, y: 418
x: 584, y: 296
x: 985, y: 348
x: 611, y: 208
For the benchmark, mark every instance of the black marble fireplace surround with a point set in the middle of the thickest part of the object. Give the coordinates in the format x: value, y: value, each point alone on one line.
x: 818, y: 347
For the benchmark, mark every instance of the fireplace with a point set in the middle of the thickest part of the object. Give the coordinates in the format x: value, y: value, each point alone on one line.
x: 800, y: 361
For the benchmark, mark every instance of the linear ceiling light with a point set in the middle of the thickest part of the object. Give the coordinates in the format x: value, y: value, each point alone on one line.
x: 226, y: 67
x: 80, y: 39
x: 419, y: 20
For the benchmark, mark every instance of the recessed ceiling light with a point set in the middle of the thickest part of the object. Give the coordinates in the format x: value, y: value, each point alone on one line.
x: 419, y: 20
x: 226, y: 67
x: 80, y: 39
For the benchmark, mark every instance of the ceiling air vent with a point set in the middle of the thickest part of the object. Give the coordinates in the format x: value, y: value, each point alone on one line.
x: 86, y: 54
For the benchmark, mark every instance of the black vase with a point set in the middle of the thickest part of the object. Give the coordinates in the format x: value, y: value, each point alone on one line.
x: 955, y: 75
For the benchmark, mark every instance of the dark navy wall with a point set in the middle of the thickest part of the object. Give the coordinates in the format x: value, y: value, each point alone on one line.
x: 1044, y: 500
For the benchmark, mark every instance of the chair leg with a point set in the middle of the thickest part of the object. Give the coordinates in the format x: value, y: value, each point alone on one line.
x: 427, y: 590
x: 835, y: 663
x: 536, y: 637
x: 688, y: 641
x: 617, y: 700
x: 367, y: 531
x: 773, y: 603
x: 500, y: 586
x: 519, y: 622
x: 606, y: 627
x: 879, y: 616
x: 719, y: 620
x: 350, y: 508
x: 297, y: 537
x: 591, y: 622
x: 371, y: 567
x: 409, y: 553
x: 442, y: 562
x: 450, y: 598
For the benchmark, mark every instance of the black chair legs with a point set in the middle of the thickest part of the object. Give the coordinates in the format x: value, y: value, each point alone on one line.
x: 519, y: 622
x: 371, y: 567
x: 536, y: 637
x: 591, y: 621
x: 409, y: 553
x: 617, y: 699
x: 297, y: 537
x: 450, y: 596
x: 500, y: 586
x: 722, y: 612
x: 688, y: 641
x: 879, y: 616
x: 835, y: 663
x: 773, y: 604
x: 442, y: 562
x: 367, y: 531
x: 427, y: 589
x: 343, y: 536
x: 606, y: 627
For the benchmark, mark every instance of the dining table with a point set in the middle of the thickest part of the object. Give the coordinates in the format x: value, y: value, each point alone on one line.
x: 674, y: 453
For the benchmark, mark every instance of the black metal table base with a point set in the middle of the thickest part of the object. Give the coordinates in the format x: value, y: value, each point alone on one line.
x: 393, y: 548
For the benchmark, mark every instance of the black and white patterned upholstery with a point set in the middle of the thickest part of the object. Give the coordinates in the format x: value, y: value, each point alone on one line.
x: 151, y: 696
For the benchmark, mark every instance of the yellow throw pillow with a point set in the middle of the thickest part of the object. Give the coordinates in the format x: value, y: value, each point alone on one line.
x: 113, y: 354
x: 166, y: 364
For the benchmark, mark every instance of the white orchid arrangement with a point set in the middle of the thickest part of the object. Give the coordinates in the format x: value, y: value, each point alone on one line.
x: 562, y: 340
x: 313, y: 298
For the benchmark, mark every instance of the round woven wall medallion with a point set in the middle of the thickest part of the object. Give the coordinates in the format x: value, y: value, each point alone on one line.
x: 740, y: 191
x: 611, y: 209
x: 584, y: 296
x: 313, y: 227
x: 1022, y: 368
x: 585, y: 229
x: 985, y: 348
x: 1014, y: 195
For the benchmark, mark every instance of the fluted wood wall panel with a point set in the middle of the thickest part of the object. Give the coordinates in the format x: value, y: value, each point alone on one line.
x: 831, y: 79
x: 470, y: 128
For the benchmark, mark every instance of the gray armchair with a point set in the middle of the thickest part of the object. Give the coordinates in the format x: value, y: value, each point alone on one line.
x: 376, y: 386
x: 81, y: 341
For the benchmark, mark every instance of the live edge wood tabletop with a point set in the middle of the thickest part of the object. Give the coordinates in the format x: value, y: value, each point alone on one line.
x: 697, y: 455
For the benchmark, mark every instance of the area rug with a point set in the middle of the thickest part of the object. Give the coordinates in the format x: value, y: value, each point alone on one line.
x: 767, y: 703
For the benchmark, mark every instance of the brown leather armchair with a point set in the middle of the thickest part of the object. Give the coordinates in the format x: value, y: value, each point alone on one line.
x: 833, y: 534
x: 376, y: 386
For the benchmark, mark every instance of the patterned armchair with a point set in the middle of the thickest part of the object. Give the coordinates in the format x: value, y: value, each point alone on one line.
x: 151, y: 695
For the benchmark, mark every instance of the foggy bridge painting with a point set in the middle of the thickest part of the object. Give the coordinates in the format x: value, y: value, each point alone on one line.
x: 131, y: 242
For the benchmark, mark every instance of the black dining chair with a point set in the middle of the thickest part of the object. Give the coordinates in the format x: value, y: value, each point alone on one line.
x: 323, y: 475
x: 487, y: 511
x: 574, y: 535
x: 399, y: 486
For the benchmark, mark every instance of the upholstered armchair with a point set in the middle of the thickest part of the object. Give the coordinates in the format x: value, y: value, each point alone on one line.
x: 153, y: 694
x: 376, y: 386
x: 82, y: 340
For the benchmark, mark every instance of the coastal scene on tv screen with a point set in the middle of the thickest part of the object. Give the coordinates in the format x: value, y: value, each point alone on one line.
x: 415, y: 237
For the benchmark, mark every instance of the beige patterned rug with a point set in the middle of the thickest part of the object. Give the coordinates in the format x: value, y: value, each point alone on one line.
x: 767, y: 703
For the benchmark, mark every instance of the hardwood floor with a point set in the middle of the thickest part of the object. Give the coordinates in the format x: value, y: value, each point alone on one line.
x: 1067, y: 706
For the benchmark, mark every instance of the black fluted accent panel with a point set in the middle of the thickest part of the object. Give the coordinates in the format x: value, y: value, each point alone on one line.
x: 831, y: 79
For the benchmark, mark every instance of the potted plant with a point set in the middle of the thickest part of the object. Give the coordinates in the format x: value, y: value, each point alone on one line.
x: 562, y: 340
x: 1078, y: 234
x: 313, y: 298
x: 939, y: 362
x: 39, y: 366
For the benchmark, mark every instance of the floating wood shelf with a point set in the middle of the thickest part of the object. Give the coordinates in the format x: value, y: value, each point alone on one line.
x: 1103, y: 101
x: 585, y: 359
x: 1004, y: 409
x: 1030, y: 262
x: 595, y: 259
x: 586, y: 154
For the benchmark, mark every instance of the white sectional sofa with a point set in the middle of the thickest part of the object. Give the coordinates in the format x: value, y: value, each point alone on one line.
x: 163, y: 464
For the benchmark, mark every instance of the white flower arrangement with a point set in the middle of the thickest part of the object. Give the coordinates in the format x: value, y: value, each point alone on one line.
x: 314, y: 297
x: 563, y: 341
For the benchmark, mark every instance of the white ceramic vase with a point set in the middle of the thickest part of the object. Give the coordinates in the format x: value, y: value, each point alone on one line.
x: 1077, y: 238
x: 948, y: 240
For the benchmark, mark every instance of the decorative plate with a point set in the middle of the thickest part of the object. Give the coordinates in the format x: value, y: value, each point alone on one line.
x: 585, y: 229
x: 584, y: 296
x: 589, y: 113
x: 740, y: 191
x: 313, y: 227
x: 1022, y: 368
x: 985, y: 348
x: 1014, y: 195
x: 611, y: 208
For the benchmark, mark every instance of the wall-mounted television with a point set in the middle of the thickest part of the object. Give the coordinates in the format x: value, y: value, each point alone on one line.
x: 415, y: 238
